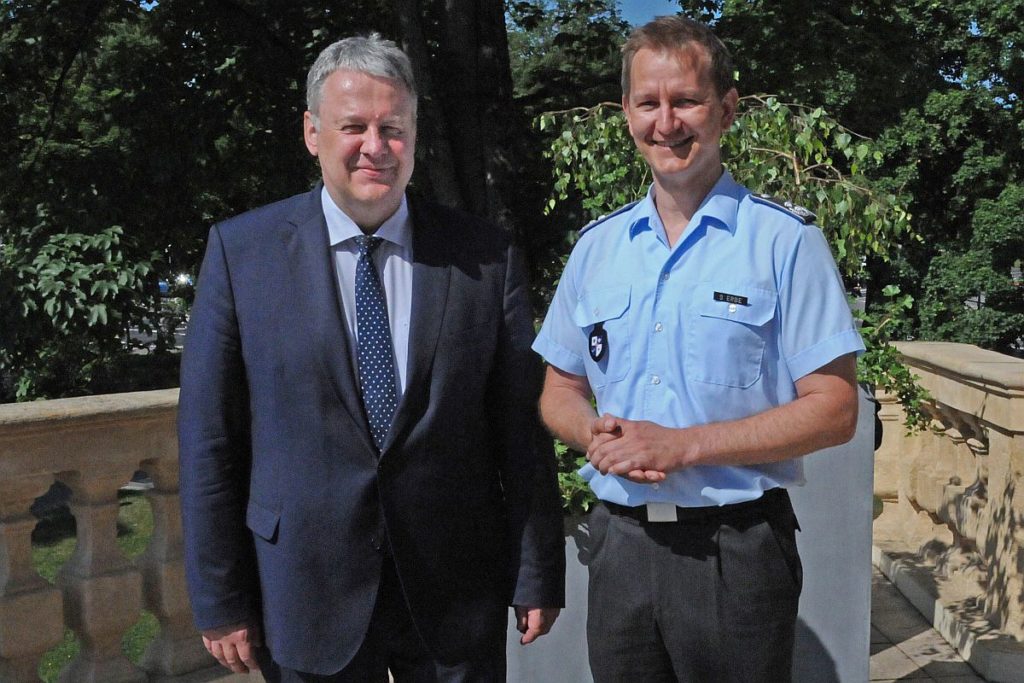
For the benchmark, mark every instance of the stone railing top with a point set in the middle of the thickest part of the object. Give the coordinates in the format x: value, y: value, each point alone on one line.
x: 985, y: 384
x: 968, y: 361
x: 65, y: 412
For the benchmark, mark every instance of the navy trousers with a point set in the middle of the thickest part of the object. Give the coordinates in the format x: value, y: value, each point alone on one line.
x: 392, y: 643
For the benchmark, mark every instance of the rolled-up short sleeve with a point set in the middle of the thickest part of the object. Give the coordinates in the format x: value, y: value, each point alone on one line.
x: 816, y: 324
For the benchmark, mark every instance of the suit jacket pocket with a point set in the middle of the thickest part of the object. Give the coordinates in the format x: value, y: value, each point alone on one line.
x: 262, y: 522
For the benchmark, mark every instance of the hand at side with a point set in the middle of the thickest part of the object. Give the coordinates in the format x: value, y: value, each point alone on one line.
x: 234, y: 646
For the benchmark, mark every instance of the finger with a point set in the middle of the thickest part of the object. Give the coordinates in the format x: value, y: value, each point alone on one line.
x: 539, y: 626
x: 247, y: 655
x: 622, y: 467
x: 637, y: 476
x: 522, y: 624
x: 603, y: 425
x: 233, y: 661
x: 217, y: 650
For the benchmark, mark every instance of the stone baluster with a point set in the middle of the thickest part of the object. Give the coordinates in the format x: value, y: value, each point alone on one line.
x: 31, y: 620
x: 102, y: 588
x: 890, y: 453
x: 178, y: 648
x: 1005, y: 531
x: 915, y: 522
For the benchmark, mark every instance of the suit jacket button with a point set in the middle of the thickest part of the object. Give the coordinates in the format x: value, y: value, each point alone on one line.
x: 375, y: 542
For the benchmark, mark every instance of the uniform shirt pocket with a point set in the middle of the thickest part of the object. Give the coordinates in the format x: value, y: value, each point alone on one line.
x: 729, y: 326
x: 608, y: 308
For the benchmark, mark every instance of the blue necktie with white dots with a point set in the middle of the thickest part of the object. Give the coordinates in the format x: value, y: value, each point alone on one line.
x: 374, y: 351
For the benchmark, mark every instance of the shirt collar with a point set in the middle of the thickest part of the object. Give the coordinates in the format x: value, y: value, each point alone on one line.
x: 396, y: 229
x: 718, y: 209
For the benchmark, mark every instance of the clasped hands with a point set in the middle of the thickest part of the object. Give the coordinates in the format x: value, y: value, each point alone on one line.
x: 638, y: 450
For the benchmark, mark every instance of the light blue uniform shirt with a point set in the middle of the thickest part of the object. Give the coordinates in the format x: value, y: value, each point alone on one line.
x: 718, y: 327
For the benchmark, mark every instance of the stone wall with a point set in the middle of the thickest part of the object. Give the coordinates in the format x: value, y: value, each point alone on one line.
x: 950, y: 531
x: 93, y: 446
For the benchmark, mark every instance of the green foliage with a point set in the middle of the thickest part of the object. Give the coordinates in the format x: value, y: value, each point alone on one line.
x: 880, y: 366
x: 130, y: 127
x: 795, y: 152
x: 564, y: 52
x: 805, y: 156
x: 982, y: 277
x: 67, y: 303
x: 577, y: 497
x: 594, y: 157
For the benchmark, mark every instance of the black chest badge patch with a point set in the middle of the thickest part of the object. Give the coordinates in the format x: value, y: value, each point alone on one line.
x: 732, y: 298
x: 598, y: 343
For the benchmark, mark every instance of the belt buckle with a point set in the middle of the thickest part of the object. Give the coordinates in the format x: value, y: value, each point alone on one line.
x: 661, y: 512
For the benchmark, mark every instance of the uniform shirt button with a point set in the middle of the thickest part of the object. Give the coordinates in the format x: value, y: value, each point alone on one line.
x: 655, y: 486
x: 732, y: 308
x: 664, y: 277
x: 655, y: 379
x: 658, y: 327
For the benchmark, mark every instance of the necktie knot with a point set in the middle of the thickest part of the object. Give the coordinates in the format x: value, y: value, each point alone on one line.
x: 367, y: 244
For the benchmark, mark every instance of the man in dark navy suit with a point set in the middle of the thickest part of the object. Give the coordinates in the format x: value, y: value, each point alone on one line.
x: 365, y: 486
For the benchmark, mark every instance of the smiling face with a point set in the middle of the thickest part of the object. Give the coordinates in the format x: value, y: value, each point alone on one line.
x: 365, y: 139
x: 677, y: 118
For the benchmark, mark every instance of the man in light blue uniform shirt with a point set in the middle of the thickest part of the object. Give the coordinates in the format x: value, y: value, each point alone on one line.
x: 711, y: 326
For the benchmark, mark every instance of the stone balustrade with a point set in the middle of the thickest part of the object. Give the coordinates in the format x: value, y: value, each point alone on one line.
x: 93, y: 446
x: 950, y: 531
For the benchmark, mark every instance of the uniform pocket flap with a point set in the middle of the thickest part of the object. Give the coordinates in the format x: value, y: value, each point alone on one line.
x: 261, y: 521
x: 747, y: 305
x: 600, y: 305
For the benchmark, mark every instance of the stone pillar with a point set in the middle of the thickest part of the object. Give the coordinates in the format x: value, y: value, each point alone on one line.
x: 917, y: 523
x: 1005, y: 534
x: 102, y: 589
x: 178, y: 648
x: 30, y: 608
x: 887, y: 457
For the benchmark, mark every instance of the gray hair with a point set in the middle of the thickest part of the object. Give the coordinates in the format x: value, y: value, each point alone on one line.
x: 371, y: 55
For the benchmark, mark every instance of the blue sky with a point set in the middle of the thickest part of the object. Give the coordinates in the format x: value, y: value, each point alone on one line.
x: 641, y: 11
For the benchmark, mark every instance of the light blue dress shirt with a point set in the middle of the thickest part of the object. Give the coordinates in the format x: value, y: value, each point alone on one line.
x: 718, y: 327
x: 393, y: 259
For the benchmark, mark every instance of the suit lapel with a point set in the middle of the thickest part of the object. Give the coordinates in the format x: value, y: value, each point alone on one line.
x: 430, y: 277
x: 309, y: 257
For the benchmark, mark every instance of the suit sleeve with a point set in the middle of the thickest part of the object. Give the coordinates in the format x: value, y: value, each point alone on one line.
x: 526, y: 457
x: 214, y: 452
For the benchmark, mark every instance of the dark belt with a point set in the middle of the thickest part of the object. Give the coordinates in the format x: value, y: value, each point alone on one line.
x: 772, y: 499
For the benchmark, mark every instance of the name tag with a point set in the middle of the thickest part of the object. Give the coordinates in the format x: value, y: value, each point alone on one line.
x: 731, y: 298
x: 661, y: 512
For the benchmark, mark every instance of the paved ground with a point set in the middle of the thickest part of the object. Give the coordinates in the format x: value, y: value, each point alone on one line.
x: 904, y: 647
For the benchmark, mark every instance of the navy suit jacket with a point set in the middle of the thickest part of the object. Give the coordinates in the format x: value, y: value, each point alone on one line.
x: 287, y: 508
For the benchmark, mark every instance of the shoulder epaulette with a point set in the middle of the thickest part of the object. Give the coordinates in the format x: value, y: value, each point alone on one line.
x: 613, y: 214
x: 805, y: 216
